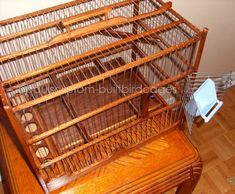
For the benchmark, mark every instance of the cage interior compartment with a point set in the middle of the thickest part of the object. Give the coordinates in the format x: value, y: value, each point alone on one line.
x: 82, y: 80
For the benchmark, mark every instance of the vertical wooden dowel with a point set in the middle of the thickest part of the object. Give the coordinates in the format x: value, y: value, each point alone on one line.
x: 145, y: 105
x: 200, y: 49
x: 135, y: 25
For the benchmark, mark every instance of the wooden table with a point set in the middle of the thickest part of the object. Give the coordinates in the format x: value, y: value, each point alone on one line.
x: 153, y: 167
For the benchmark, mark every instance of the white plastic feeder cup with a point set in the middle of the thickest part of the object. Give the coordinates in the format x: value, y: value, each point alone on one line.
x: 206, y: 100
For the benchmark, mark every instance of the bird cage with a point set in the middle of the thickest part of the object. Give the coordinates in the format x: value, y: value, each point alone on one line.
x: 83, y: 80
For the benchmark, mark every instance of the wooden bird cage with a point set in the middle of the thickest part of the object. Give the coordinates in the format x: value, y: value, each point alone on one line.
x: 83, y: 80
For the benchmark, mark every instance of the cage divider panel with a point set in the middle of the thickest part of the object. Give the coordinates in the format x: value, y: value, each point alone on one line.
x: 84, y: 80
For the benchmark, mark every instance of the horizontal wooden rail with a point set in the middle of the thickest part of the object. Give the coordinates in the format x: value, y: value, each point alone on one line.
x: 114, y: 126
x: 158, y: 68
x: 171, y: 80
x: 105, y: 48
x: 23, y: 83
x: 68, y: 20
x: 41, y: 12
x: 103, y: 76
x: 147, y: 40
x: 103, y: 68
x: 64, y: 22
x: 58, y: 7
x: 146, y: 27
x: 190, y: 25
x: 63, y: 126
x: 65, y: 37
x: 87, y: 30
x: 82, y: 147
x: 104, y: 108
x: 72, y: 112
x: 119, y: 34
x: 166, y: 6
x: 87, y: 15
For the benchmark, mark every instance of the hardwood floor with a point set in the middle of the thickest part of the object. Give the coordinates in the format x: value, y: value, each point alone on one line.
x: 216, y: 144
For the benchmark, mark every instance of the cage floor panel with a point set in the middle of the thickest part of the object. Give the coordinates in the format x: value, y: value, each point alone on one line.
x: 55, y: 113
x: 63, y: 109
x: 131, y: 136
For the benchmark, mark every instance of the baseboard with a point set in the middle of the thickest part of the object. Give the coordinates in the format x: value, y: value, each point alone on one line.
x: 233, y: 78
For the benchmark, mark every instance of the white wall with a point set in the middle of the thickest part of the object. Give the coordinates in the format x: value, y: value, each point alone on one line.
x: 217, y: 15
x: 11, y: 8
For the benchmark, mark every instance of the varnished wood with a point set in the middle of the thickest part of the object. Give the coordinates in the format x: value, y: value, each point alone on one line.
x: 15, y: 170
x: 200, y: 48
x: 145, y: 105
x: 105, y: 75
x: 55, y: 130
x: 77, y: 132
x: 155, y: 67
x: 86, y: 30
x: 215, y: 142
x: 102, y: 179
x: 118, y: 34
x: 65, y: 62
x: 87, y: 15
x: 34, y: 164
x: 146, y: 27
x: 40, y: 12
x: 114, y: 82
x: 81, y: 118
x: 64, y: 22
x: 77, y: 33
x: 72, y: 111
x: 22, y: 82
x: 66, y: 37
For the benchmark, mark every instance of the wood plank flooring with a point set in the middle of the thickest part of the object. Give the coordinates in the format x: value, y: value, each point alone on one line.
x: 216, y: 144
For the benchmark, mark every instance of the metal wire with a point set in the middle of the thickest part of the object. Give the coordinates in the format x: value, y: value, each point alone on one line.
x: 194, y: 81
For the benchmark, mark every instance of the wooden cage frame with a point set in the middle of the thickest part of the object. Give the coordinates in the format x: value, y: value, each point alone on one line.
x: 159, y: 118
